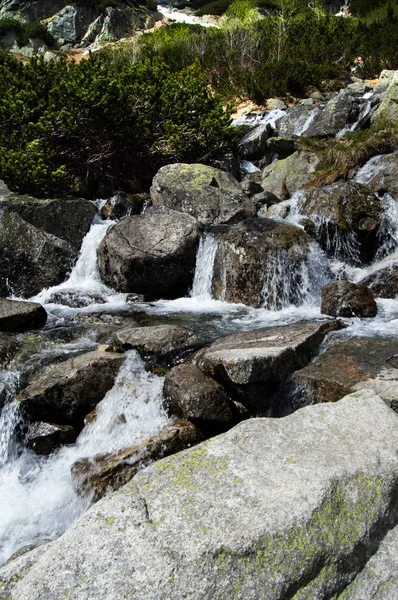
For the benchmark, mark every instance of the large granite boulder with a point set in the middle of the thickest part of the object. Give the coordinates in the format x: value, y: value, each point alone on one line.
x: 388, y: 109
x: 108, y: 472
x: 286, y: 176
x: 296, y: 120
x: 64, y: 393
x: 21, y: 316
x: 275, y: 508
x: 380, y: 174
x: 258, y: 262
x: 31, y: 259
x: 347, y: 217
x: 208, y: 194
x: 153, y: 253
x: 350, y: 365
x: 254, y: 144
x: 190, y: 394
x: 339, y: 111
x: 251, y: 365
x: 346, y: 299
x: 32, y: 10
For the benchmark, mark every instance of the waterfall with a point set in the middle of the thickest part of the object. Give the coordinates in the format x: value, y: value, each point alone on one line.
x: 37, y: 497
x: 203, y: 278
x: 302, y: 127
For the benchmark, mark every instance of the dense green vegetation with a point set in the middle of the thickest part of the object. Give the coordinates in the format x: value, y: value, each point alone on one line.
x: 66, y: 127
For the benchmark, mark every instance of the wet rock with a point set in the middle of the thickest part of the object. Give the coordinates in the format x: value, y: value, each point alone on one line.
x: 335, y: 115
x: 254, y: 144
x: 109, y: 472
x: 20, y: 316
x: 251, y: 187
x: 317, y: 489
x: 251, y: 365
x: 190, y: 394
x: 152, y: 254
x: 8, y: 347
x: 388, y: 109
x: 64, y: 393
x: 31, y: 259
x: 294, y: 120
x: 284, y: 177
x: 347, y: 217
x: 264, y: 199
x: 123, y: 205
x: 43, y: 438
x: 383, y: 283
x: 346, y: 299
x: 351, y: 365
x: 248, y: 258
x: 380, y: 174
x: 157, y: 342
x: 283, y: 146
x: 207, y: 194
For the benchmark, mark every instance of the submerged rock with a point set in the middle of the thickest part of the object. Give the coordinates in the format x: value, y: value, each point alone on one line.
x: 383, y: 283
x: 152, y: 254
x: 108, y: 472
x: 64, y: 393
x: 346, y: 299
x: 350, y: 365
x: 19, y: 316
x: 259, y: 263
x: 207, y: 194
x: 274, y: 507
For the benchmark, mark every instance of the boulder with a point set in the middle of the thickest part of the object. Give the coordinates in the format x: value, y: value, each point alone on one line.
x: 31, y: 259
x: 295, y: 120
x: 347, y: 217
x: 123, y: 205
x: 251, y: 365
x: 8, y: 347
x: 157, y: 342
x: 284, y: 177
x: 43, y: 438
x: 254, y: 260
x: 350, y: 365
x: 254, y: 144
x: 379, y: 173
x: 274, y: 508
x: 152, y: 254
x: 346, y: 299
x: 65, y: 392
x: 383, y: 283
x: 283, y: 146
x: 109, y: 472
x: 20, y: 316
x: 337, y: 113
x: 190, y: 394
x: 69, y: 25
x: 207, y: 194
x: 32, y: 10
x: 388, y: 109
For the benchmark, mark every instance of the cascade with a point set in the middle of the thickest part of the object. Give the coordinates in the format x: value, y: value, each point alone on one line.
x: 203, y: 278
x: 302, y: 128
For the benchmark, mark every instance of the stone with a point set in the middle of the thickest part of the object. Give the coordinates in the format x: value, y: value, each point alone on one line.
x: 294, y: 120
x: 346, y: 299
x: 152, y: 254
x: 254, y: 144
x: 8, y: 347
x: 64, y: 393
x: 283, y: 146
x: 383, y: 283
x: 251, y: 365
x: 31, y: 259
x: 274, y: 103
x: 347, y: 217
x: 190, y: 394
x: 333, y: 118
x: 34, y: 10
x: 379, y: 173
x: 249, y: 256
x: 388, y: 108
x: 123, y: 205
x: 108, y: 472
x: 251, y: 187
x: 156, y: 342
x: 69, y: 25
x: 209, y: 195
x: 286, y: 176
x: 271, y: 509
x: 20, y: 316
x: 349, y: 365
x: 43, y: 438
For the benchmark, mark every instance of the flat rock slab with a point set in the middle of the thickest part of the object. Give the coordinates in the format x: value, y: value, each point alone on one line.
x: 16, y: 316
x: 275, y: 508
x: 350, y: 365
x: 64, y: 393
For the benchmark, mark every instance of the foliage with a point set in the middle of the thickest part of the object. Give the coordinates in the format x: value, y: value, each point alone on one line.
x: 66, y: 126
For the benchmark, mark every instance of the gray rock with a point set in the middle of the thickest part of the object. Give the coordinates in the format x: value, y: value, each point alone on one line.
x: 69, y: 25
x: 33, y: 10
x: 383, y: 283
x: 388, y: 109
x: 190, y: 394
x: 152, y: 254
x: 43, y: 438
x: 252, y: 364
x: 271, y: 509
x: 334, y: 116
x: 248, y: 257
x: 350, y: 365
x: 207, y: 194
x: 31, y: 259
x: 254, y: 144
x: 274, y: 103
x: 380, y: 174
x: 283, y: 146
x: 284, y: 177
x: 294, y: 120
x: 64, y: 393
x: 346, y: 299
x: 123, y: 205
x: 21, y: 316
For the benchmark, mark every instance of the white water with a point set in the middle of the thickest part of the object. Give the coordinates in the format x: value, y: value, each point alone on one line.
x: 37, y: 498
x: 302, y: 128
x: 182, y: 17
x: 203, y: 278
x: 260, y: 118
